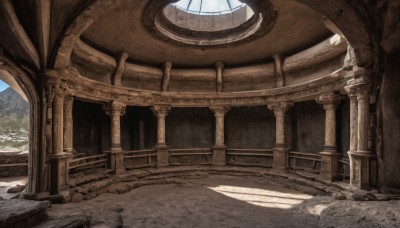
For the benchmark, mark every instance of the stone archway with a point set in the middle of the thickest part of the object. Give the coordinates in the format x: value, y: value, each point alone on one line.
x: 29, y: 90
x: 349, y: 20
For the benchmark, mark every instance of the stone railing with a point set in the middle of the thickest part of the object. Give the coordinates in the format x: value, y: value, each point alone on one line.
x: 192, y: 156
x: 250, y: 157
x: 134, y: 159
x: 306, y: 161
x: 89, y: 162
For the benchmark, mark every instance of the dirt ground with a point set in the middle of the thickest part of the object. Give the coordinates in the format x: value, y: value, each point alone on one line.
x: 221, y: 201
x: 226, y: 201
x: 216, y: 201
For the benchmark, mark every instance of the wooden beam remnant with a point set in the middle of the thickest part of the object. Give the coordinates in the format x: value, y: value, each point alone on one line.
x: 120, y: 68
x: 219, y: 66
x: 167, y: 76
x: 280, y: 77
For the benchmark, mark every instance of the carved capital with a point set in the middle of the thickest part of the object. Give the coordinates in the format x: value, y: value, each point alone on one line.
x: 50, y: 81
x: 329, y: 100
x: 220, y: 110
x: 358, y: 87
x: 62, y: 91
x: 115, y: 107
x: 161, y: 110
x: 280, y: 107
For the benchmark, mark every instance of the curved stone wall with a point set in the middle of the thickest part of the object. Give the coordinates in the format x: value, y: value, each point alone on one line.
x: 324, y: 60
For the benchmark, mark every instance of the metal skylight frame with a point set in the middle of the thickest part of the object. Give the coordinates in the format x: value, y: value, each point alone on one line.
x: 186, y: 5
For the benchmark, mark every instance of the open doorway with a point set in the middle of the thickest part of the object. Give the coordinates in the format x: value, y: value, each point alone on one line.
x: 14, y: 138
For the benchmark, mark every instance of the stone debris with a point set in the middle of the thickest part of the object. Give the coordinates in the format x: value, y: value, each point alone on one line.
x: 17, y: 189
x: 76, y: 198
x: 22, y: 213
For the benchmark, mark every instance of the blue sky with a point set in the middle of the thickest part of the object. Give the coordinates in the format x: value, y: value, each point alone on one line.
x: 3, y: 85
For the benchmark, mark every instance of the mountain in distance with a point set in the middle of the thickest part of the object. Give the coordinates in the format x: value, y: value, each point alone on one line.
x: 12, y: 104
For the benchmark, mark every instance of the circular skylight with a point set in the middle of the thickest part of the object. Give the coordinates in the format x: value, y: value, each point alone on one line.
x: 209, y: 7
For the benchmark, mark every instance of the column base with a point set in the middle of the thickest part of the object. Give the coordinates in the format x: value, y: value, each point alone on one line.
x: 58, y: 173
x: 330, y: 165
x: 280, y: 157
x: 162, y: 155
x: 219, y: 155
x: 116, y: 160
x: 361, y: 173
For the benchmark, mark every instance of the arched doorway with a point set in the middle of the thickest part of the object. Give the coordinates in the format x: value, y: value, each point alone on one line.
x: 22, y: 83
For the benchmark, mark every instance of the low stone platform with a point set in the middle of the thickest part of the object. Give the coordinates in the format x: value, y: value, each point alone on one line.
x: 99, y: 184
x: 22, y: 213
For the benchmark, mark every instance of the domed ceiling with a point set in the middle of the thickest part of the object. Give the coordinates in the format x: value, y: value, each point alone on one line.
x: 296, y: 27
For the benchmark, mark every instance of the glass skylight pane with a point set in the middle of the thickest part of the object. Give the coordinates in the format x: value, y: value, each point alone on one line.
x: 195, y: 6
x: 215, y: 6
x: 209, y: 7
x: 183, y: 4
x: 235, y: 3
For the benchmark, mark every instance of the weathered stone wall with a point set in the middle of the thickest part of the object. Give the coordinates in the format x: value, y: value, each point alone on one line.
x: 388, y: 102
x: 190, y: 128
x: 250, y: 127
x: 12, y: 158
x: 138, y: 129
x: 309, y: 127
x: 91, y: 128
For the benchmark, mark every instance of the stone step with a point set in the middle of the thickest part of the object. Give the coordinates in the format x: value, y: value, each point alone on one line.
x: 82, y: 178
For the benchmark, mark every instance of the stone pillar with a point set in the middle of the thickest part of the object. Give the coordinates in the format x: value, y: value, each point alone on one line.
x: 58, y: 159
x: 162, y: 150
x: 116, y: 109
x: 358, y: 89
x: 280, y: 151
x: 353, y: 131
x: 219, y: 149
x: 68, y: 130
x: 330, y: 157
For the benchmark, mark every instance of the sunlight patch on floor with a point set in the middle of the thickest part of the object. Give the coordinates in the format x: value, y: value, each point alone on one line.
x: 262, y: 197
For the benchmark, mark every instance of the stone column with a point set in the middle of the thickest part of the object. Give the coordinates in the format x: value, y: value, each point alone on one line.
x: 358, y: 89
x: 353, y: 131
x: 116, y: 109
x: 280, y: 151
x: 58, y: 159
x: 219, y: 149
x: 330, y: 157
x: 162, y: 150
x: 68, y: 130
x: 68, y: 124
